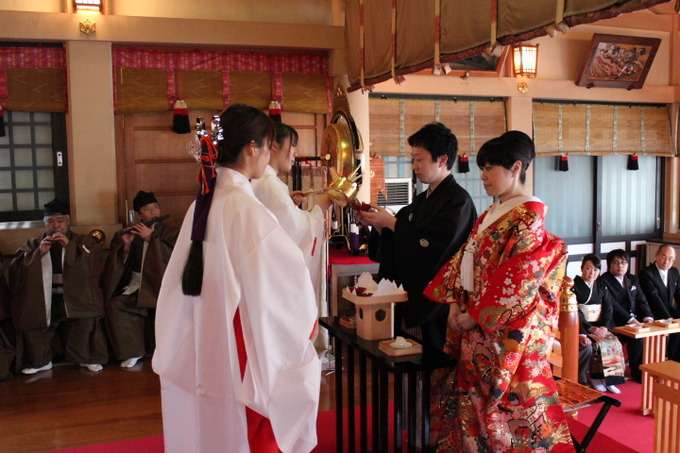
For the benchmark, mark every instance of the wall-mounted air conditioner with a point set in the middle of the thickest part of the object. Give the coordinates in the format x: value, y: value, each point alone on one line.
x: 399, y: 193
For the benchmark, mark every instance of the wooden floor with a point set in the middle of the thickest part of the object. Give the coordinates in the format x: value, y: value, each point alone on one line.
x: 69, y: 406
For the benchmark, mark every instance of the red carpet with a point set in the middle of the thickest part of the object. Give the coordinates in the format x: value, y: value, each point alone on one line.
x: 626, y: 424
x: 618, y: 425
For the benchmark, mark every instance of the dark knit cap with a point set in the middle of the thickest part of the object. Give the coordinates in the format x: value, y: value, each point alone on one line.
x: 142, y: 199
x: 56, y: 207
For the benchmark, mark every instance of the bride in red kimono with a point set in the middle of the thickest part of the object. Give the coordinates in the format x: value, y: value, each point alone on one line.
x: 502, y: 287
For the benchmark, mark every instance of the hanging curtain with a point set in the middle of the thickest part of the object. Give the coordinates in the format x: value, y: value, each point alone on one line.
x: 152, y: 79
x: 473, y: 121
x: 602, y: 129
x: 389, y: 38
x: 33, y: 79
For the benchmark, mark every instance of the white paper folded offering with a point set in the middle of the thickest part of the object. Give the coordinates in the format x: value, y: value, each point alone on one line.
x: 387, y: 287
x: 366, y: 282
x: 400, y: 343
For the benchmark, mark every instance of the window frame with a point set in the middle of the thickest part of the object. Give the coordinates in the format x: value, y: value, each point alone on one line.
x: 59, y: 145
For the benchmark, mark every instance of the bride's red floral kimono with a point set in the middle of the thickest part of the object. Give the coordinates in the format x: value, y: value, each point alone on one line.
x: 502, y: 397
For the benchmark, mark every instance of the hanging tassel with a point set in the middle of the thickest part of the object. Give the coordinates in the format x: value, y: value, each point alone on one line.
x: 180, y: 117
x: 463, y: 163
x: 2, y: 121
x: 633, y: 162
x: 467, y: 266
x: 275, y: 111
x: 563, y: 162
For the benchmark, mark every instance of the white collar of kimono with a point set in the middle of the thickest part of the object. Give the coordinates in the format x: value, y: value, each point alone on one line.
x: 269, y: 171
x: 229, y: 177
x: 498, y: 209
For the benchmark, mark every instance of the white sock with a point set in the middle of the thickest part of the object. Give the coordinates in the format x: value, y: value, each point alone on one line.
x: 93, y: 367
x: 37, y: 370
x: 129, y: 363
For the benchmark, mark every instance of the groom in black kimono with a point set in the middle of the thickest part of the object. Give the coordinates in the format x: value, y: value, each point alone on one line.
x: 412, y: 245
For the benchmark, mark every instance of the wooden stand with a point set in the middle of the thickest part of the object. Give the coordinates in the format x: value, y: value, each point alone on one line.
x: 666, y: 397
x: 654, y: 340
x: 374, y: 314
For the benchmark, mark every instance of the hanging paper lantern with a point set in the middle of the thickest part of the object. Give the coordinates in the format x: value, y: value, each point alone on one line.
x: 275, y: 111
x: 563, y: 162
x: 463, y: 163
x: 180, y: 117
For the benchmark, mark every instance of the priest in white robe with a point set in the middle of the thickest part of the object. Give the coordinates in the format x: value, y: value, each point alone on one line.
x: 305, y: 228
x: 236, y: 313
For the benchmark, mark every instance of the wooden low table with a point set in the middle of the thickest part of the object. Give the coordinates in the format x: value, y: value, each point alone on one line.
x: 654, y: 339
x: 666, y: 400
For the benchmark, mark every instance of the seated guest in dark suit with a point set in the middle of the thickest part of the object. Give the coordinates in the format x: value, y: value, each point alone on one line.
x: 630, y: 305
x: 661, y: 283
x: 601, y: 361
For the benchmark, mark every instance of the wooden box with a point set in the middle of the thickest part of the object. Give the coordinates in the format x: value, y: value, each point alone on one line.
x: 374, y: 314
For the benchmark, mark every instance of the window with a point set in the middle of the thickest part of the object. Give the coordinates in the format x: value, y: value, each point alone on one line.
x: 630, y: 206
x: 397, y: 167
x: 472, y: 182
x: 599, y: 205
x: 32, y: 164
x: 568, y: 195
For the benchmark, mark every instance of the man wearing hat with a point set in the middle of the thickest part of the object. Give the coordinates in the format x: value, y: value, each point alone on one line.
x: 56, y: 296
x: 132, y: 278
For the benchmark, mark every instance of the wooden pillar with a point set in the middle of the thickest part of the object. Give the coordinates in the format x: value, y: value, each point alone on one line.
x: 569, y: 329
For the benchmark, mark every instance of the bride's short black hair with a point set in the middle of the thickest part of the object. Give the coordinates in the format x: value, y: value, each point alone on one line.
x: 507, y: 149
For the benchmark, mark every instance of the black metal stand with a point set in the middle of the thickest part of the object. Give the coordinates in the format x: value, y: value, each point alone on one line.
x: 410, y: 368
x: 607, y: 403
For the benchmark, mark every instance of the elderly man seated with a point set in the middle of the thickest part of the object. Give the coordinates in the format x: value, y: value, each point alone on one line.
x: 661, y: 283
x: 57, y: 300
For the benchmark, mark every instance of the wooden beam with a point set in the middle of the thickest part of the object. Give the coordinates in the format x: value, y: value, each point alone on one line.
x: 37, y: 26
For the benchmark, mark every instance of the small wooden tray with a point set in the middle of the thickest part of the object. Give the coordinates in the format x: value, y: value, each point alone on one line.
x: 374, y: 300
x: 633, y: 329
x: 668, y: 325
x: 415, y: 349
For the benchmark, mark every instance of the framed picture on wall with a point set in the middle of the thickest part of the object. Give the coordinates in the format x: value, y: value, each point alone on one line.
x: 618, y: 61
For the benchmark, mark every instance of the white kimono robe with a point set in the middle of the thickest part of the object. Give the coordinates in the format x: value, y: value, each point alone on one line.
x: 250, y: 265
x: 306, y: 228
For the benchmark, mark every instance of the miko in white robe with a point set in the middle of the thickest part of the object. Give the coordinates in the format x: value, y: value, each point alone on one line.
x: 238, y: 370
x: 305, y: 228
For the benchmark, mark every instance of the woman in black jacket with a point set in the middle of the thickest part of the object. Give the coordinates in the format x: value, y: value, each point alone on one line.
x: 607, y: 365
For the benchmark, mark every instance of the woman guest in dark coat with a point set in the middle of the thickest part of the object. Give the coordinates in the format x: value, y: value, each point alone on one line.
x: 607, y: 365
